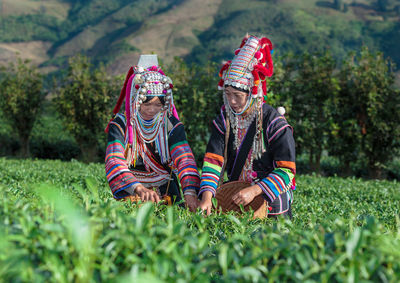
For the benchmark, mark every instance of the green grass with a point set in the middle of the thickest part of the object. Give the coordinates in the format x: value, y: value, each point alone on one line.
x: 58, y: 222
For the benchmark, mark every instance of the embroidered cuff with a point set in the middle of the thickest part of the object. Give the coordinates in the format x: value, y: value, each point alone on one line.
x: 210, y: 189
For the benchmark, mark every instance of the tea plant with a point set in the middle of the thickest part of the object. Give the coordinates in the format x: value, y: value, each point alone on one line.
x: 59, y: 223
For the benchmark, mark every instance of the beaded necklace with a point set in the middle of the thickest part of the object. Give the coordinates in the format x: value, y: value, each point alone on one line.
x: 141, y: 135
x: 240, y: 123
x: 241, y: 120
x: 153, y: 130
x: 148, y: 129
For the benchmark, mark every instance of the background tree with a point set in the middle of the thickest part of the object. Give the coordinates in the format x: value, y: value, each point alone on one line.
x: 279, y: 84
x: 21, y: 96
x: 308, y: 89
x: 338, y: 5
x: 85, y: 101
x: 368, y: 92
x: 382, y: 5
x: 345, y: 136
x: 197, y: 100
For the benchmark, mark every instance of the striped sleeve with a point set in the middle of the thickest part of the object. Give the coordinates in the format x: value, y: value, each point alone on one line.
x: 119, y: 177
x: 213, y: 159
x: 183, y: 159
x: 212, y: 167
x: 277, y: 182
x: 281, y: 144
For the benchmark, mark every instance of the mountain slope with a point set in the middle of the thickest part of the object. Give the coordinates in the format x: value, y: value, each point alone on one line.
x: 116, y: 32
x: 300, y: 26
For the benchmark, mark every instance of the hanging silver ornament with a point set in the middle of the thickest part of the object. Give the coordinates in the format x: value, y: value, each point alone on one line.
x: 138, y: 79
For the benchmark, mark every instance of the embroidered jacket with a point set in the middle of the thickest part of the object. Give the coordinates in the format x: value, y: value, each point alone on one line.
x: 122, y: 178
x: 275, y: 169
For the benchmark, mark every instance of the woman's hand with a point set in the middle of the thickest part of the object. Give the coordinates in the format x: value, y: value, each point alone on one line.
x: 146, y: 194
x: 205, y: 203
x: 246, y: 196
x: 191, y: 202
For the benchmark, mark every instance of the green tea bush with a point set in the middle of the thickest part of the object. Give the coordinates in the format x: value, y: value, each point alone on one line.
x: 59, y: 223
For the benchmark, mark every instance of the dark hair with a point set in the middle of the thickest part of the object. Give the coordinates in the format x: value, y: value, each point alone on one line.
x: 150, y: 97
x: 238, y: 88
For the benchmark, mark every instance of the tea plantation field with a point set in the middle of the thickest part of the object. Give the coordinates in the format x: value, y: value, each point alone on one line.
x: 59, y: 223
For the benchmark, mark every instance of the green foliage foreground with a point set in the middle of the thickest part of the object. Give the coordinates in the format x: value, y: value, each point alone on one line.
x: 70, y: 229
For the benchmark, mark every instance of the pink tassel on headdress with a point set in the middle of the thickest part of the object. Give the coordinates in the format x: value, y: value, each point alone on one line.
x: 174, y: 112
x: 153, y: 68
x: 128, y: 110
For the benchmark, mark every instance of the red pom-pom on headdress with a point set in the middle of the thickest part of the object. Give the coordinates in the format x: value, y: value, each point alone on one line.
x: 244, y: 40
x: 265, y: 41
x: 256, y: 77
x: 224, y: 67
x: 266, y: 49
x: 258, y: 55
x: 221, y: 84
x: 221, y: 72
x: 264, y: 70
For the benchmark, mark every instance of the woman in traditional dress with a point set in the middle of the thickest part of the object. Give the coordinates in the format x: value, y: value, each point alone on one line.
x: 261, y: 148
x: 147, y: 149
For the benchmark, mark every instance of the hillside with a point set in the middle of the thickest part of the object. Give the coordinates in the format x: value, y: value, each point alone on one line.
x: 306, y: 25
x: 116, y: 32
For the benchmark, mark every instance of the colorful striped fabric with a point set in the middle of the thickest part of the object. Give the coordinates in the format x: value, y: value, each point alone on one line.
x: 120, y: 177
x: 211, y: 171
x: 275, y: 169
x: 118, y: 174
x: 277, y: 182
x: 276, y: 126
x: 184, y: 162
x: 239, y: 71
x: 280, y: 180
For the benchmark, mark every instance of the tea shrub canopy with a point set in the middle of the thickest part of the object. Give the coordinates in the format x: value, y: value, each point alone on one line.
x: 59, y: 222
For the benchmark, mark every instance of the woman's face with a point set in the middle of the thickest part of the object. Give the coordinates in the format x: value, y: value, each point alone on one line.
x: 237, y: 99
x: 150, y: 108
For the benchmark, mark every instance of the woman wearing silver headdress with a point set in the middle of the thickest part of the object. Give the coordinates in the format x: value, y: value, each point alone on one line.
x: 259, y: 148
x: 147, y: 149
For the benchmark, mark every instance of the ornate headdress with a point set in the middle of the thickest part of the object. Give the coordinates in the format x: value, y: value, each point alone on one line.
x: 143, y: 81
x: 251, y: 65
x: 248, y: 71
